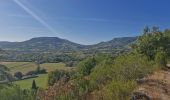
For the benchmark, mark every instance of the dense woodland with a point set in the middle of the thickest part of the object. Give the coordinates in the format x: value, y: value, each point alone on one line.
x: 100, y: 76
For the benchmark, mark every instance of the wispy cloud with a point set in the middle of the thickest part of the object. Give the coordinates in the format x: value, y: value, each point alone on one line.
x: 35, y: 16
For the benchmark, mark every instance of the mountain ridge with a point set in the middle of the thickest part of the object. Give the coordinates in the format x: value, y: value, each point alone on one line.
x: 42, y: 44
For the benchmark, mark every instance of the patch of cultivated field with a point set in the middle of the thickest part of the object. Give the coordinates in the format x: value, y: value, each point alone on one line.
x: 53, y: 66
x: 25, y: 67
x: 41, y: 82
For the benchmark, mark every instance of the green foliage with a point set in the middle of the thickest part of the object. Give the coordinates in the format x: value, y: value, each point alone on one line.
x: 132, y: 66
x: 81, y: 88
x: 85, y: 67
x: 4, y: 74
x: 102, y: 73
x: 109, y: 78
x: 57, y: 75
x: 125, y: 68
x: 34, y: 86
x: 152, y: 43
x: 119, y: 90
x: 12, y: 92
x: 38, y: 69
x: 41, y: 82
x: 161, y: 58
x: 18, y: 75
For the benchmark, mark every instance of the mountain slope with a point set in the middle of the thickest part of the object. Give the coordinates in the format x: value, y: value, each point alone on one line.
x: 41, y: 44
x: 114, y: 44
x: 55, y: 44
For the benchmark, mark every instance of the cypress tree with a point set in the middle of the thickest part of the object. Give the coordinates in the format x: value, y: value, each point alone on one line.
x: 34, y: 85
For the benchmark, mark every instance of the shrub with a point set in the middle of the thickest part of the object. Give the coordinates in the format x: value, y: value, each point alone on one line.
x: 161, y: 59
x: 119, y: 90
x: 34, y: 86
x: 12, y: 92
x: 18, y: 75
x: 42, y: 71
x: 57, y: 75
x: 86, y: 66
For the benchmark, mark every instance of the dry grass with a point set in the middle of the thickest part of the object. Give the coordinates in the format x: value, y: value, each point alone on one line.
x: 157, y: 85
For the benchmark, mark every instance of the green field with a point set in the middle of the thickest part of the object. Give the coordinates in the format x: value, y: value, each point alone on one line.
x: 25, y: 67
x: 41, y: 82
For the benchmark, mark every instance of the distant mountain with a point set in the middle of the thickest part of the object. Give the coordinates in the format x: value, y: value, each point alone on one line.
x: 41, y: 44
x: 55, y: 44
x: 114, y: 46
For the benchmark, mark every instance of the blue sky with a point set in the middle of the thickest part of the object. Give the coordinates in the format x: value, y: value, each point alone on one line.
x: 81, y: 21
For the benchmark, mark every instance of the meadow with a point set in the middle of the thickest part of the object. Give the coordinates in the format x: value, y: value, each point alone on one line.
x: 41, y: 81
x: 24, y: 67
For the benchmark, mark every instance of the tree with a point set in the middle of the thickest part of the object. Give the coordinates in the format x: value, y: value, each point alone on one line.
x: 86, y: 66
x: 155, y: 29
x: 18, y: 75
x: 154, y: 46
x: 150, y: 44
x: 146, y: 30
x: 34, y: 86
x: 5, y: 76
x: 38, y: 69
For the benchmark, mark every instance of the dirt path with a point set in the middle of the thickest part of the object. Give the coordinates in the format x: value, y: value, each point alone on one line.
x: 154, y: 87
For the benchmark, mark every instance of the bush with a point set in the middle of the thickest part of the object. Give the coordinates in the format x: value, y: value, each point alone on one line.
x: 18, y: 75
x: 161, y: 59
x: 119, y: 90
x: 151, y: 43
x: 86, y: 66
x: 12, y: 92
x: 57, y: 75
x: 42, y: 71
